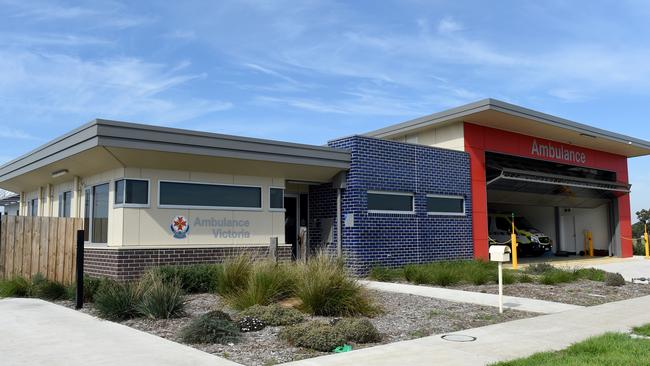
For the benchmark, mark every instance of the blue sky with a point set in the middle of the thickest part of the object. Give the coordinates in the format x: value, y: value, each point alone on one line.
x: 309, y: 71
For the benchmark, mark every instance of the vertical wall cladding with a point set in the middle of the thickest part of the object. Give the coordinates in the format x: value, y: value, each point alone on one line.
x: 398, y: 239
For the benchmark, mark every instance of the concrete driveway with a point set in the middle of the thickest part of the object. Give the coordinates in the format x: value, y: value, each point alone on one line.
x: 629, y: 268
x: 35, y: 332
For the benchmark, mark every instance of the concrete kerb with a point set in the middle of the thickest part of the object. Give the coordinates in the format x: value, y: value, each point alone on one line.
x: 509, y: 302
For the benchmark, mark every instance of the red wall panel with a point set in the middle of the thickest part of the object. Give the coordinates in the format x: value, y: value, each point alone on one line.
x: 479, y: 139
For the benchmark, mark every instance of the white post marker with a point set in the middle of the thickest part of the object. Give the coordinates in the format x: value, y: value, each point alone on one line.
x: 500, y: 287
x: 500, y: 254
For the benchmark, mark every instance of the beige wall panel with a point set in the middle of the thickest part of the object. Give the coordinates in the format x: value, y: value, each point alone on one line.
x: 278, y: 226
x: 155, y: 226
x: 204, y: 230
x: 211, y: 178
x: 131, y: 225
x: 259, y: 229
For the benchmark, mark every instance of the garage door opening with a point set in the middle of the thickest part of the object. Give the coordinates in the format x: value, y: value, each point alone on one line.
x: 554, y: 205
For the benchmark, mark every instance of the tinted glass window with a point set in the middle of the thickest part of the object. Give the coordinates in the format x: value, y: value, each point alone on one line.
x: 119, y: 192
x: 33, y: 208
x: 137, y: 192
x: 453, y: 205
x: 389, y: 202
x: 277, y: 198
x: 65, y: 199
x: 132, y: 191
x: 209, y: 195
x: 100, y: 214
x: 503, y: 224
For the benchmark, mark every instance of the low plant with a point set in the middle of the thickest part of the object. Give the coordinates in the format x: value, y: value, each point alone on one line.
x: 509, y: 277
x: 15, y: 287
x: 196, y: 278
x: 385, y: 274
x: 591, y: 274
x: 118, y: 301
x: 313, y: 335
x: 250, y: 324
x: 643, y: 330
x: 525, y: 278
x: 614, y: 279
x: 358, y: 330
x: 325, y: 288
x: 213, y: 327
x: 449, y: 273
x: 43, y: 288
x: 539, y: 268
x: 274, y: 314
x: 91, y: 286
x: 161, y: 299
x: 235, y: 275
x: 268, y: 282
x: 556, y: 277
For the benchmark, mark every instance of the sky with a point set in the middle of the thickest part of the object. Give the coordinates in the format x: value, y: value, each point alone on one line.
x: 309, y: 71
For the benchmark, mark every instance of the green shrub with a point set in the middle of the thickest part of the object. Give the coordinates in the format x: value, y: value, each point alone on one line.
x: 638, y: 248
x: 268, y: 282
x: 118, y: 301
x: 274, y: 314
x: 235, y: 275
x: 509, y: 277
x: 358, y: 330
x: 539, y: 268
x: 250, y: 324
x: 91, y: 286
x: 212, y: 327
x: 384, y: 274
x: 480, y: 277
x: 313, y: 335
x: 557, y: 276
x: 417, y: 274
x: 48, y: 290
x: 591, y: 274
x: 194, y: 279
x: 614, y: 279
x: 326, y: 289
x: 161, y: 299
x: 15, y: 287
x: 643, y: 330
x: 525, y: 278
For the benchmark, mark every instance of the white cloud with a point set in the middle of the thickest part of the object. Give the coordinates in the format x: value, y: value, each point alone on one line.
x: 47, y: 85
x: 448, y: 25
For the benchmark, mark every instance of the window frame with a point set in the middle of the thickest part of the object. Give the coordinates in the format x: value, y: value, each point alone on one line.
x: 219, y: 208
x: 275, y: 209
x: 62, y: 204
x: 434, y: 213
x: 131, y: 205
x: 90, y: 188
x: 392, y: 193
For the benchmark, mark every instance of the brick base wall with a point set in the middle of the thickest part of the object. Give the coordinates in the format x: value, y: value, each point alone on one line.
x: 129, y: 263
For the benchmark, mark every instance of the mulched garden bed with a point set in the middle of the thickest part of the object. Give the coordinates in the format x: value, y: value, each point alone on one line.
x: 581, y: 292
x: 404, y: 317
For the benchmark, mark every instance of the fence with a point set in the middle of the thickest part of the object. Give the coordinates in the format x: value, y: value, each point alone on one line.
x: 46, y: 245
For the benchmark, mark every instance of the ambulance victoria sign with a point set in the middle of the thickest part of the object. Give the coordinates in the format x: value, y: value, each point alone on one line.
x: 550, y: 151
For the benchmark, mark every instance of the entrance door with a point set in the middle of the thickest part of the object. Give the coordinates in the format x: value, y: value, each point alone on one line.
x: 291, y: 223
x: 569, y: 239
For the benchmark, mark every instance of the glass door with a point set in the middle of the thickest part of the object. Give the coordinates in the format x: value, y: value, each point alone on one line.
x: 99, y: 214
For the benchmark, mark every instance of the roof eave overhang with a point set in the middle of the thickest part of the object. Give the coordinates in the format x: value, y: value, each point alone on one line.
x: 631, y: 146
x: 113, y: 134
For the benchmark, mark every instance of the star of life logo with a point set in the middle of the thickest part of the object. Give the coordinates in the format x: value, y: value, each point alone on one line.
x: 180, y: 227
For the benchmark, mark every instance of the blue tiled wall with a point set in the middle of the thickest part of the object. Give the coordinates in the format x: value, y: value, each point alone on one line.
x: 397, y: 239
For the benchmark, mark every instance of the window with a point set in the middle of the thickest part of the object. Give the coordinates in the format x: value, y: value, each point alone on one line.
x: 33, y: 207
x: 390, y: 202
x: 99, y: 223
x: 445, y: 205
x: 276, y: 202
x: 87, y: 194
x: 202, y: 195
x: 132, y: 192
x: 65, y: 200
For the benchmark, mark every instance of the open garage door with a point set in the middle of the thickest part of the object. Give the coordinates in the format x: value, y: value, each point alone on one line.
x: 555, y: 201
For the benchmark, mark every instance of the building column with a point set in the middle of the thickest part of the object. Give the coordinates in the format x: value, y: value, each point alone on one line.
x: 75, y: 210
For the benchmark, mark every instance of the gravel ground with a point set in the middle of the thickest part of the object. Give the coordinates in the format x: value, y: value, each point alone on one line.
x: 404, y: 317
x: 582, y: 292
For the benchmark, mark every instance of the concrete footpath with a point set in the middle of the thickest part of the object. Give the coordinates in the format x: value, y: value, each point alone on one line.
x: 501, y: 342
x: 509, y: 302
x: 35, y: 332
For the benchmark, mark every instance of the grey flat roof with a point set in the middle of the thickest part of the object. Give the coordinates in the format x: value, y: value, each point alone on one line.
x: 496, y: 105
x: 109, y: 133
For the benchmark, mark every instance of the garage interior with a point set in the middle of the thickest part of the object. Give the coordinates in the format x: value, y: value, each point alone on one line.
x: 562, y: 201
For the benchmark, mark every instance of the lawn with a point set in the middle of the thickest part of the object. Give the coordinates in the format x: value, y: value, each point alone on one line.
x: 610, y: 349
